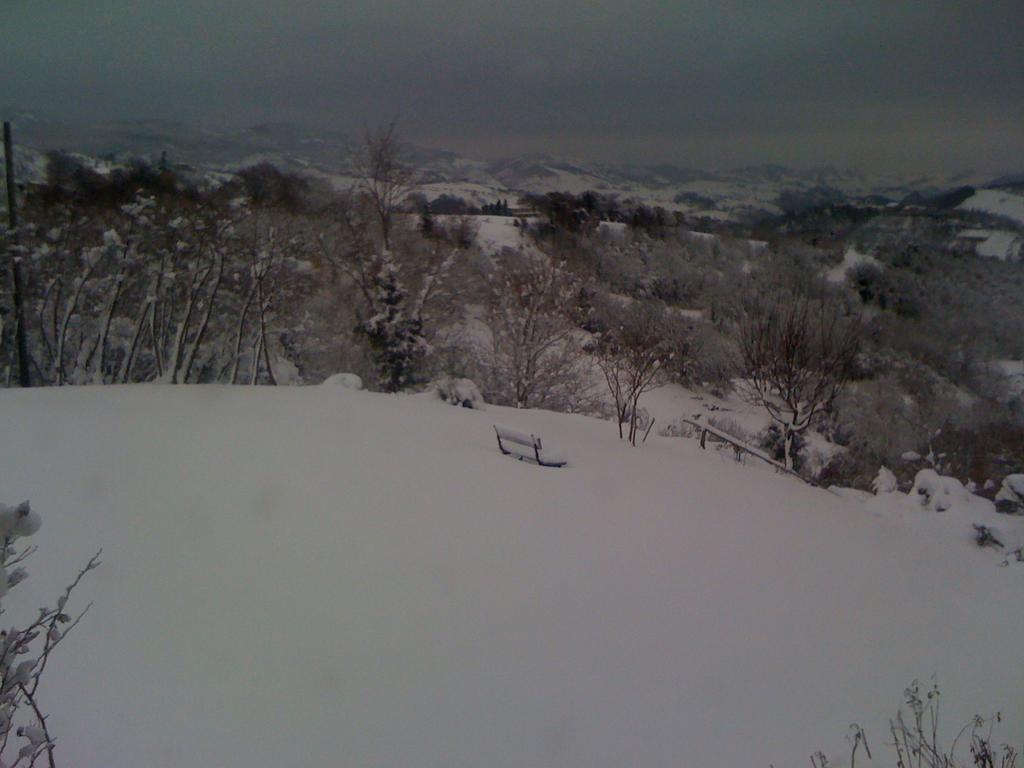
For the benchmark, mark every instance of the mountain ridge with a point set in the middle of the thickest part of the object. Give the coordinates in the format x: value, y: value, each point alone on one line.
x: 328, y: 154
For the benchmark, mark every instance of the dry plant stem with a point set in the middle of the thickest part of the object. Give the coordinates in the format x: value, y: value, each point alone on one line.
x: 42, y: 724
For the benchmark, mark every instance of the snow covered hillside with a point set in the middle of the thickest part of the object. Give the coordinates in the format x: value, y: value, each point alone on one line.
x: 321, y: 576
x: 997, y: 202
x: 994, y: 244
x: 205, y: 155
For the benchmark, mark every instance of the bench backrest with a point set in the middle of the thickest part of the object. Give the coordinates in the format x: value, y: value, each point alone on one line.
x: 530, y: 444
x: 515, y: 436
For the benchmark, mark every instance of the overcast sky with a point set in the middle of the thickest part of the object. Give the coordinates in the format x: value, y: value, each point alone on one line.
x: 909, y: 84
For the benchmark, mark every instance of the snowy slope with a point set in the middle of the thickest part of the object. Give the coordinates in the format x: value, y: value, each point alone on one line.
x: 495, y: 233
x: 1012, y: 373
x: 320, y: 576
x: 995, y: 244
x: 997, y: 202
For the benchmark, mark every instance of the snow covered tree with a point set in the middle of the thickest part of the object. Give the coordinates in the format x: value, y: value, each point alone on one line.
x: 535, y: 358
x: 269, y: 277
x: 405, y: 290
x: 797, y: 354
x: 127, y: 295
x: 394, y: 330
x: 25, y: 737
x: 160, y: 289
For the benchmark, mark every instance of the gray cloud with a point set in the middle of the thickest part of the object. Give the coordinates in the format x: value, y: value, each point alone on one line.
x: 922, y: 84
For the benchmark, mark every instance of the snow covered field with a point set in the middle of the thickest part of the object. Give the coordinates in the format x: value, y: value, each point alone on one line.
x: 320, y: 576
x: 498, y: 232
x: 998, y: 202
x: 995, y: 244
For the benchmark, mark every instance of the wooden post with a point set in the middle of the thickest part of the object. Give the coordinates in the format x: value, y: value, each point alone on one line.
x: 24, y: 378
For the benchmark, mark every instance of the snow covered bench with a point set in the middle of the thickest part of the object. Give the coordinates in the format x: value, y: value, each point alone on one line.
x: 526, y: 447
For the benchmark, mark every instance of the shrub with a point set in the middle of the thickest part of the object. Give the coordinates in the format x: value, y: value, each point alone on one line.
x: 916, y: 741
x: 461, y: 392
x: 24, y: 652
x: 773, y: 441
x: 633, y: 353
x: 731, y: 427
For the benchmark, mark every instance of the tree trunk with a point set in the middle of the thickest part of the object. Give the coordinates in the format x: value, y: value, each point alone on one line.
x: 787, y: 442
x: 238, y: 335
x: 20, y: 329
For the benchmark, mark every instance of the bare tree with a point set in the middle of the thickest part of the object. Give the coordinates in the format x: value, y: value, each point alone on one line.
x: 190, y: 277
x: 633, y: 353
x: 797, y: 354
x: 384, y: 178
x: 268, y: 242
x: 535, y: 358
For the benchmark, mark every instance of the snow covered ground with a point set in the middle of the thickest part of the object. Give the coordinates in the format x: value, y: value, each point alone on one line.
x: 995, y: 244
x: 667, y: 403
x: 1012, y: 373
x: 323, y: 576
x: 495, y: 233
x: 998, y: 202
x: 498, y: 232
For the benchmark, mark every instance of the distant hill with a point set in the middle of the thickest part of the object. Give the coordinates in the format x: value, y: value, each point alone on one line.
x: 756, y: 189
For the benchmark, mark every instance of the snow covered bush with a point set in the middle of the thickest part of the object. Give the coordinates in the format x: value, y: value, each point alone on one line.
x: 885, y: 481
x: 1010, y: 498
x: 731, y: 427
x: 937, y: 492
x: 908, y: 418
x: 712, y: 366
x: 774, y: 441
x: 24, y: 652
x: 344, y: 381
x: 980, y: 443
x: 678, y: 428
x: 460, y: 392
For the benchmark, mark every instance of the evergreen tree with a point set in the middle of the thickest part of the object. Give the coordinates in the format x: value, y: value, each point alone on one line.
x: 394, y: 333
x: 427, y: 222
